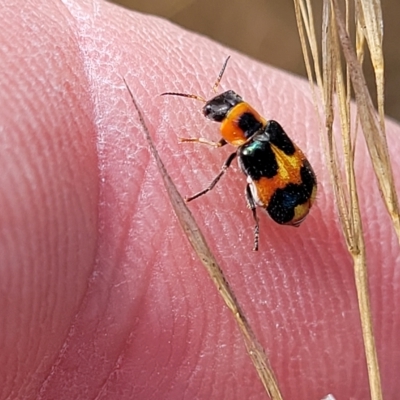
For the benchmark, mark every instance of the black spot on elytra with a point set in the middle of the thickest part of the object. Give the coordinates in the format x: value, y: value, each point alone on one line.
x: 279, y: 138
x: 257, y: 160
x: 284, y: 201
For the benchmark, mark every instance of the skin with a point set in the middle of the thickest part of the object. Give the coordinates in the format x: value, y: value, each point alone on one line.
x: 101, y: 294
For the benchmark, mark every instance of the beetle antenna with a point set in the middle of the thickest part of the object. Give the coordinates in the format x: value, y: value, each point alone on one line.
x: 190, y: 96
x: 216, y: 84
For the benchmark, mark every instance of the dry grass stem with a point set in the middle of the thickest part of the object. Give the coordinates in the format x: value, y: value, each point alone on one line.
x: 334, y: 88
x: 200, y: 246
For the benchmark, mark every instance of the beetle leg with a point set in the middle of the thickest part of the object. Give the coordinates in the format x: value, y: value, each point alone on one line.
x: 220, y: 143
x: 252, y: 205
x: 224, y: 167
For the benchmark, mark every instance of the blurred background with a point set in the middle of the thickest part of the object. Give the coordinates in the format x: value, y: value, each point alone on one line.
x: 267, y: 30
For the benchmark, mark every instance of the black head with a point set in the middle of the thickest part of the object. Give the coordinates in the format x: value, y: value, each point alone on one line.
x: 217, y: 108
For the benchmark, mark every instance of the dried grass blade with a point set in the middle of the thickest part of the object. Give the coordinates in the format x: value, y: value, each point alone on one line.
x: 200, y: 246
x: 345, y: 193
x: 370, y: 16
x: 331, y: 64
x: 357, y: 248
x: 375, y: 137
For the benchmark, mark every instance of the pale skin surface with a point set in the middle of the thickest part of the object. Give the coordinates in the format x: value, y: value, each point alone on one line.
x: 101, y: 294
